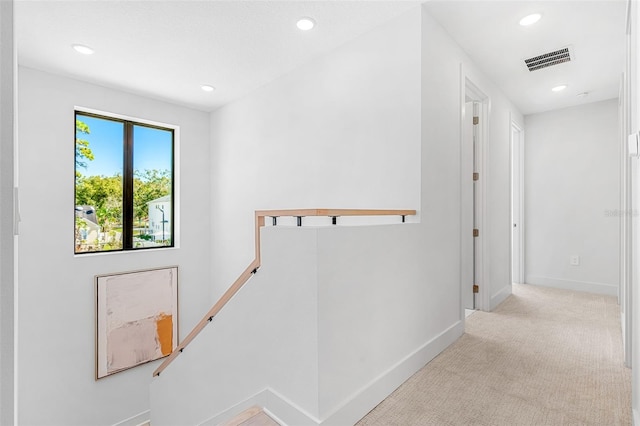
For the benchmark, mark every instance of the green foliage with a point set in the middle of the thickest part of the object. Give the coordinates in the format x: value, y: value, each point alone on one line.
x: 83, y: 152
x: 149, y: 185
x: 103, y: 193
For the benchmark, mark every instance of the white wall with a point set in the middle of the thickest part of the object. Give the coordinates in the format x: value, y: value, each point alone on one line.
x: 56, y: 352
x: 342, y: 131
x: 265, y: 336
x: 378, y: 319
x: 572, y: 197
x: 332, y: 323
x: 498, y: 196
x: 7, y: 243
x: 442, y: 94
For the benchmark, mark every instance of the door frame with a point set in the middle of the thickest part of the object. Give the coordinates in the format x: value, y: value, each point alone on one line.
x: 517, y: 209
x: 469, y: 90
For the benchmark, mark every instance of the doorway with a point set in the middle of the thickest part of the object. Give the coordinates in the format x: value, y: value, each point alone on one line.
x: 474, y: 124
x: 517, y: 203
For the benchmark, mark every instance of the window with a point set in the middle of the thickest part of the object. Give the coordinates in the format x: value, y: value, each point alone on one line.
x: 124, y: 179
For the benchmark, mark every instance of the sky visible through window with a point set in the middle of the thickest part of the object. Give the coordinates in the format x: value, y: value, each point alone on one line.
x: 152, y: 147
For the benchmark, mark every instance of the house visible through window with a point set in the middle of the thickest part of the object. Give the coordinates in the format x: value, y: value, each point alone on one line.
x: 124, y: 178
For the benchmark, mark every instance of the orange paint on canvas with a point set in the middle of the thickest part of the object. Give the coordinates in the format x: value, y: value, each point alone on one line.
x: 164, y: 325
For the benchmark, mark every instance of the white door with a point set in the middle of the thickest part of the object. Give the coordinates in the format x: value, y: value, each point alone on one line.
x: 477, y: 233
x: 475, y: 108
x: 466, y: 225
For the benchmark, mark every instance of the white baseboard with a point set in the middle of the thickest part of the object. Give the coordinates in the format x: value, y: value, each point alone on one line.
x: 499, y: 297
x: 356, y: 406
x: 381, y: 387
x: 139, y: 419
x: 586, y: 286
x: 636, y: 417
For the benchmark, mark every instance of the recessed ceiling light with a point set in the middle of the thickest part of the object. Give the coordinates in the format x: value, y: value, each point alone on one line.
x: 559, y: 88
x: 530, y: 19
x: 85, y: 50
x: 207, y: 88
x: 305, y: 24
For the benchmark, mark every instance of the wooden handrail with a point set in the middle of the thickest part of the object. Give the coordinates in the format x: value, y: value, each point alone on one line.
x: 237, y: 285
x: 334, y: 212
x: 253, y: 267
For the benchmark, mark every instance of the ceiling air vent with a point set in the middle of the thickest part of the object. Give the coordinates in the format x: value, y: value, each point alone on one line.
x: 548, y: 59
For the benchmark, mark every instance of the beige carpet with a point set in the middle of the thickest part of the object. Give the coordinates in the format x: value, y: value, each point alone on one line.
x: 543, y: 357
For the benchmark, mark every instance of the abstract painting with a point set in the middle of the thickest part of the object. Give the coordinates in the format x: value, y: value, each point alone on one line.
x: 137, y: 318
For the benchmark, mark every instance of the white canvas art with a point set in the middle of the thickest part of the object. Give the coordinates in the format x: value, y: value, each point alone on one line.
x: 136, y: 318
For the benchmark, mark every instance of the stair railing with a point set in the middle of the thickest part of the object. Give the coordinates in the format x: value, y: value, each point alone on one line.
x: 260, y: 216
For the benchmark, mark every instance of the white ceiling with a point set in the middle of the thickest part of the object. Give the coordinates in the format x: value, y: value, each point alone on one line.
x: 168, y: 49
x: 490, y: 33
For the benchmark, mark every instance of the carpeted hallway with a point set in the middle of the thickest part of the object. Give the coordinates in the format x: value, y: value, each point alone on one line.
x: 543, y: 357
